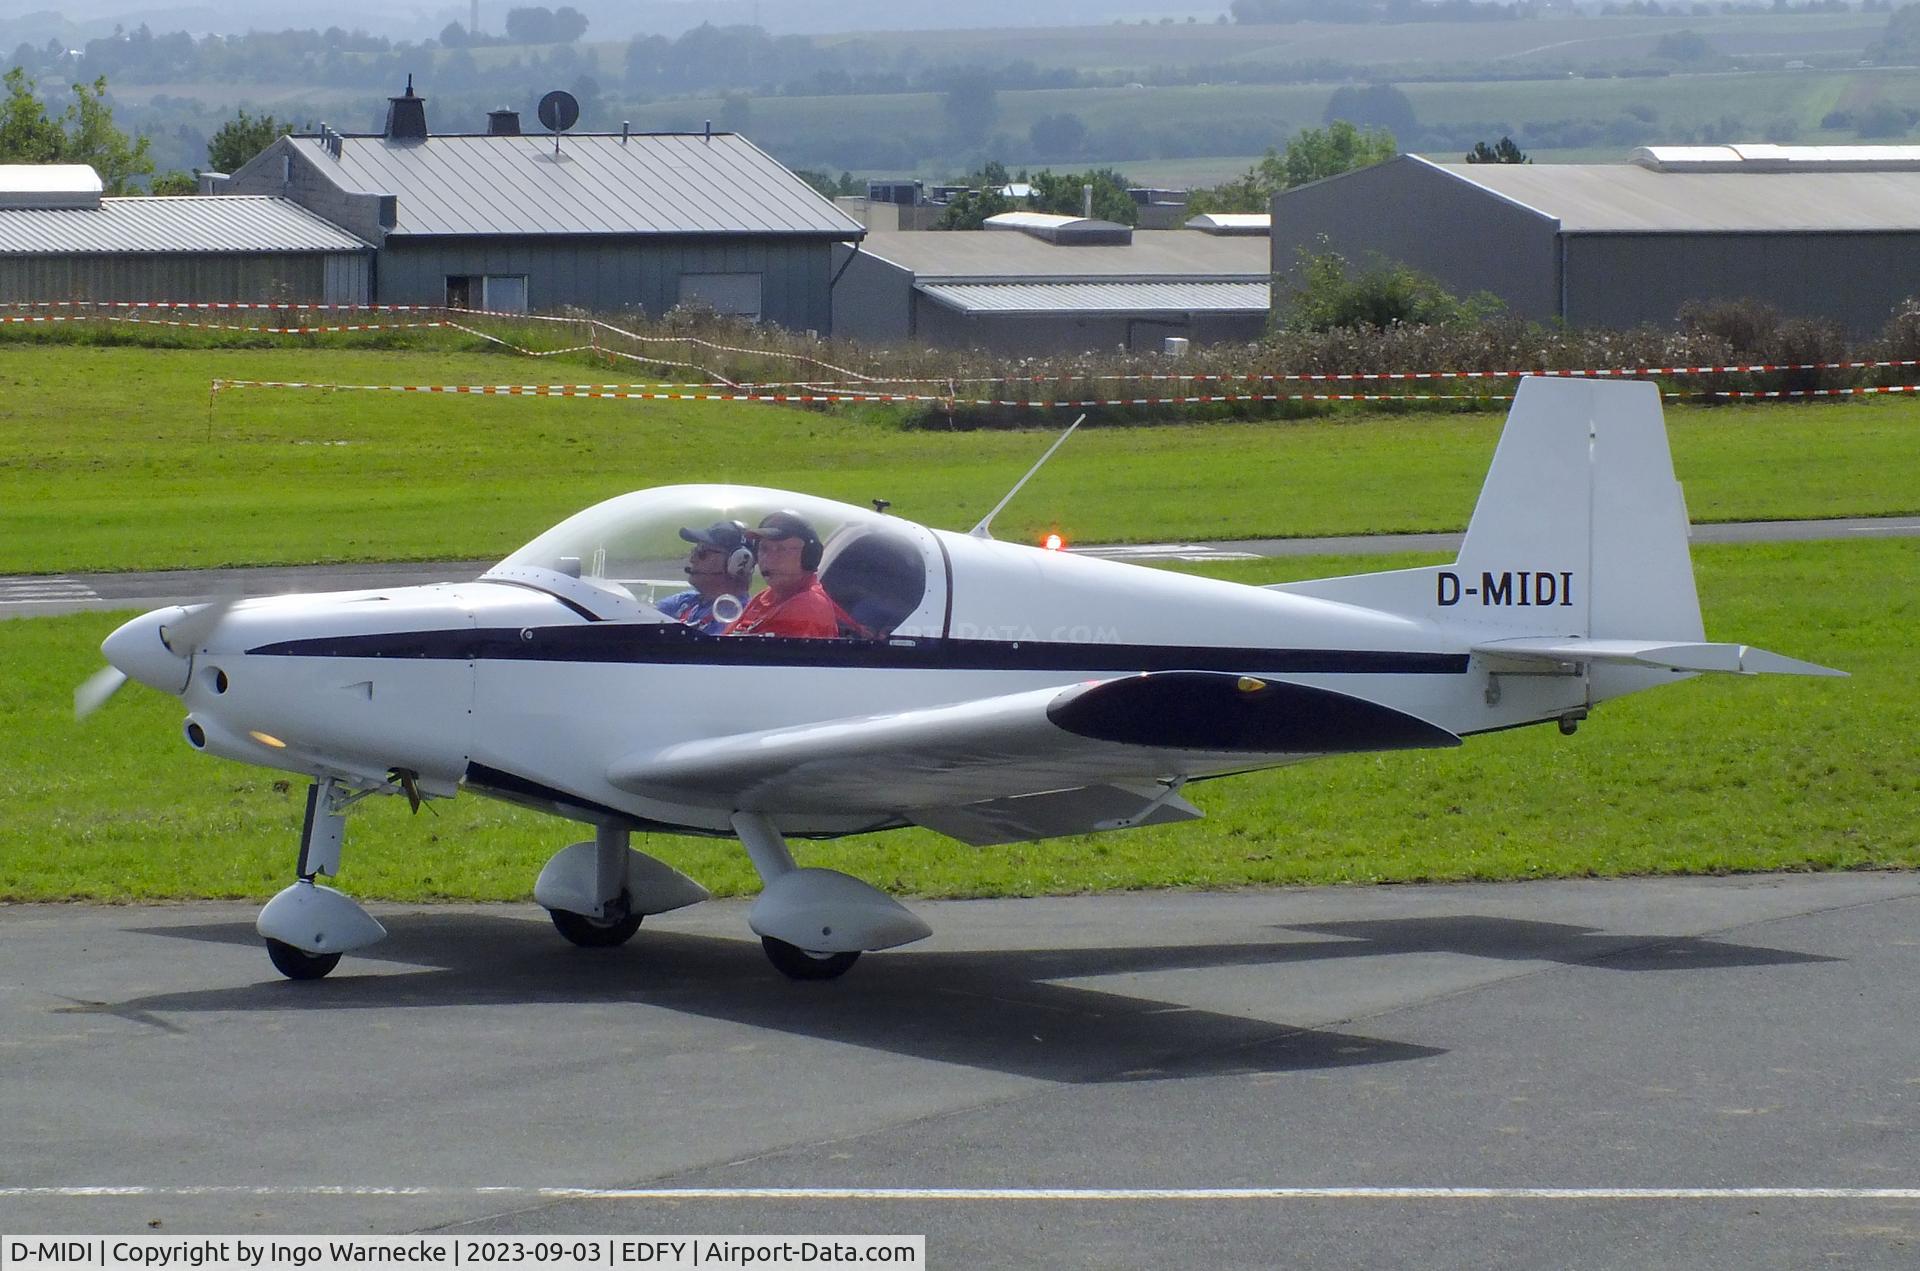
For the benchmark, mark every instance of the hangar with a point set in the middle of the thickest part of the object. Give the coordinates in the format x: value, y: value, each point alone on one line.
x: 60, y: 239
x: 1049, y: 284
x: 603, y: 221
x: 1817, y: 231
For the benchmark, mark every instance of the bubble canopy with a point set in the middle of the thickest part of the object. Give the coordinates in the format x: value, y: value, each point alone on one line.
x: 879, y: 569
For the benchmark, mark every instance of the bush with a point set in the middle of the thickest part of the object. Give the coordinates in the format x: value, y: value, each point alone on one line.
x: 1385, y: 294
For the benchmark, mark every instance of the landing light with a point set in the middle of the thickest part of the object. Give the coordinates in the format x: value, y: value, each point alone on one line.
x: 1054, y: 542
x: 267, y: 739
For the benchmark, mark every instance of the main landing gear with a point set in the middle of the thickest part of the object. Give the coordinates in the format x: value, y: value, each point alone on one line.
x: 814, y: 923
x: 597, y: 893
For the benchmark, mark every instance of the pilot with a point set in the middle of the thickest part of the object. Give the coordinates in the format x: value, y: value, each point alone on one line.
x: 793, y: 603
x: 720, y: 567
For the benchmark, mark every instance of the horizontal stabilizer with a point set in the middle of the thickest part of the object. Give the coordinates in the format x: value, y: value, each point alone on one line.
x: 1139, y: 728
x: 1728, y: 659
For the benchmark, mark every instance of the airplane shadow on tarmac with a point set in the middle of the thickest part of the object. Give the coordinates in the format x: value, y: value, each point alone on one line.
x: 996, y: 1010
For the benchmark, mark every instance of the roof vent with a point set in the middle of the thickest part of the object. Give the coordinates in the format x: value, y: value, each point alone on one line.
x: 407, y: 116
x: 55, y: 185
x: 1232, y: 223
x: 503, y: 123
x: 1762, y: 157
x: 1064, y: 231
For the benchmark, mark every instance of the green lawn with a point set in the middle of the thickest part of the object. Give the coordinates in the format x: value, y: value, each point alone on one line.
x: 1706, y: 776
x: 111, y: 458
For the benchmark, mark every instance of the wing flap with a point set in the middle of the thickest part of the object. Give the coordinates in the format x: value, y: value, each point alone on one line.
x: 1138, y: 728
x: 1726, y: 659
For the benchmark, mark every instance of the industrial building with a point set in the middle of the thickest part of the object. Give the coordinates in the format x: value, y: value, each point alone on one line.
x: 505, y: 221
x: 1040, y: 284
x: 60, y: 239
x: 1817, y: 231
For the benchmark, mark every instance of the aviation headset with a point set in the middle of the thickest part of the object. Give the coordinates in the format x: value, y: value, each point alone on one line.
x: 739, y: 559
x: 791, y: 525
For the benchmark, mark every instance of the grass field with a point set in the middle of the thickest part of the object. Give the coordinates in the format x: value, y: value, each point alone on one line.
x: 1705, y: 776
x: 108, y: 460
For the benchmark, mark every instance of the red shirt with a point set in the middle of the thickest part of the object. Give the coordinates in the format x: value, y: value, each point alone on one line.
x: 807, y: 611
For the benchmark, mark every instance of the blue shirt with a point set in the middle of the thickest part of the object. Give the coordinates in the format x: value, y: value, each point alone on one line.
x: 692, y: 608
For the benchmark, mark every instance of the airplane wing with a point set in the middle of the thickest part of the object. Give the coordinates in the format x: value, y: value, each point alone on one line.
x: 1044, y: 742
x: 1667, y: 655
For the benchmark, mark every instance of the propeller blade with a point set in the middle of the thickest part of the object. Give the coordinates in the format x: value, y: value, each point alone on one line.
x: 192, y: 629
x: 99, y: 686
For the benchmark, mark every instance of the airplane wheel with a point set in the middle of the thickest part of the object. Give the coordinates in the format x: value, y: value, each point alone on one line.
x: 298, y: 964
x: 597, y: 933
x: 800, y: 964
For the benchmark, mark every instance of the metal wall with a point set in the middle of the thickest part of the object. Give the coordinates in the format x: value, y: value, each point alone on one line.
x: 873, y: 301
x: 608, y: 274
x: 1406, y: 211
x: 1619, y: 280
x: 330, y: 277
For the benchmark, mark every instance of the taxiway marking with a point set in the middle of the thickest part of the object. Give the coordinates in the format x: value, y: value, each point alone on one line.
x: 1051, y: 1194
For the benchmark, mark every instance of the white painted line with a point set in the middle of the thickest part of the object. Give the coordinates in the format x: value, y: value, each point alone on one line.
x: 1050, y: 1194
x: 1896, y: 528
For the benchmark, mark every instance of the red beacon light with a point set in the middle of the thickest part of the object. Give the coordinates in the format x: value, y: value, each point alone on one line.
x: 1053, y: 542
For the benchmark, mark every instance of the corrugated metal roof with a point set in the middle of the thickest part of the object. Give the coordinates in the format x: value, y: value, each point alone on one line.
x: 188, y: 223
x: 1100, y: 297
x: 1624, y: 198
x: 1168, y: 255
x: 652, y: 183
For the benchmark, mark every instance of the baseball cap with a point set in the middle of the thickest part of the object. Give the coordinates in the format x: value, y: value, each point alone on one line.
x: 785, y: 525
x: 725, y: 536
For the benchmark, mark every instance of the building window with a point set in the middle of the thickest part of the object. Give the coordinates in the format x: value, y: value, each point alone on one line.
x: 735, y: 295
x: 501, y: 293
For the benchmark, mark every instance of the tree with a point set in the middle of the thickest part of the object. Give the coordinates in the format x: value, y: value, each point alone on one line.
x: 83, y: 133
x: 27, y: 135
x: 1317, y: 153
x: 241, y: 138
x: 569, y: 24
x: 93, y: 139
x: 1504, y: 151
x: 174, y: 183
x: 1064, y: 194
x: 1683, y: 46
x: 1061, y: 136
x: 1376, y: 106
x: 453, y: 36
x: 1313, y: 153
x: 971, y: 105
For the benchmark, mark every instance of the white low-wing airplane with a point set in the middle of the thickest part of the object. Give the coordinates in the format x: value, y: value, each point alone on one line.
x: 993, y: 692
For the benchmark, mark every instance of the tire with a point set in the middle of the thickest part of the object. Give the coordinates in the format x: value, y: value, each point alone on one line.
x: 298, y: 964
x: 598, y: 933
x: 800, y: 964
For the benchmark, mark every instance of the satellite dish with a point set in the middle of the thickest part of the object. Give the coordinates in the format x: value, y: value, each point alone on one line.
x: 559, y: 111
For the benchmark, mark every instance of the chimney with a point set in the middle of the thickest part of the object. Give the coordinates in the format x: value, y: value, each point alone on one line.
x: 407, y: 116
x: 503, y: 123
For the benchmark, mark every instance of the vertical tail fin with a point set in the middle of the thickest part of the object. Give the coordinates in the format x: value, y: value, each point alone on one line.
x: 1580, y: 529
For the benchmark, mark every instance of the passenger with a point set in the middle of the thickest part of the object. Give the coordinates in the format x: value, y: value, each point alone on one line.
x: 793, y: 603
x: 720, y: 566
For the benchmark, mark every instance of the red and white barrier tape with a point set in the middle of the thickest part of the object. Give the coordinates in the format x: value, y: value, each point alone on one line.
x: 864, y: 383
x: 645, y: 392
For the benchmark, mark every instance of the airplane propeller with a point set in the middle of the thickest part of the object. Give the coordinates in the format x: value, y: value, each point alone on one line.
x: 155, y: 648
x: 92, y: 694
